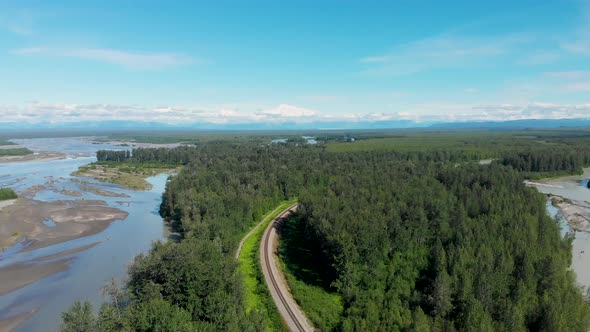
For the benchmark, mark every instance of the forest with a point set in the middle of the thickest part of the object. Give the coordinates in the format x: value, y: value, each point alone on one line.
x: 412, y: 233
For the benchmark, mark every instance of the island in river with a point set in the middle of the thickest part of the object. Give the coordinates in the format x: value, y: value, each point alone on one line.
x: 65, y: 237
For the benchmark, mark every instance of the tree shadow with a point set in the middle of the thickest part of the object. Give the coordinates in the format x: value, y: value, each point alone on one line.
x: 301, y: 255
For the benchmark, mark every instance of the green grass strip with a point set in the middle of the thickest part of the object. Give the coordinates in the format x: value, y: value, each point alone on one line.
x: 257, y: 296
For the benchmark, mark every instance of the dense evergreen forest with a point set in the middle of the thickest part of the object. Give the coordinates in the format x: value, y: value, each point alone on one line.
x: 416, y: 236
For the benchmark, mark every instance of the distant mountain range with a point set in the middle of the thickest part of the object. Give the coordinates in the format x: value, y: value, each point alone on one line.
x: 127, y: 125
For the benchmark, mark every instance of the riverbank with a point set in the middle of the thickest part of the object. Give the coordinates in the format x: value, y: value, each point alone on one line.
x: 568, y: 200
x: 577, y: 213
x: 567, y: 195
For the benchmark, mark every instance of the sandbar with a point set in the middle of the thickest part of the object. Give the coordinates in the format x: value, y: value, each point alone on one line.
x: 10, y: 323
x: 37, y: 156
x: 102, y: 192
x: 7, y: 203
x: 20, y: 275
x: 66, y: 253
x: 67, y: 192
x: 23, y: 221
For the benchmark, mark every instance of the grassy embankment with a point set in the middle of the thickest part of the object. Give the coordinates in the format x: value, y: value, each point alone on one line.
x: 257, y: 296
x: 7, y: 193
x: 127, y: 174
x: 309, y: 286
x: 15, y: 152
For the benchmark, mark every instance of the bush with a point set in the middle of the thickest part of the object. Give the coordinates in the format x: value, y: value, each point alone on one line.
x: 6, y: 194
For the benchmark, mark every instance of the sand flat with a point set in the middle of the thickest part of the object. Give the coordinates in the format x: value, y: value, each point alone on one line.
x: 23, y: 220
x: 19, y: 275
x: 10, y: 323
x: 65, y: 253
x: 6, y: 203
x: 38, y: 156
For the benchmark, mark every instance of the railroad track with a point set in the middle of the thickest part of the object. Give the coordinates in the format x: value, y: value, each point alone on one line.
x: 285, y: 303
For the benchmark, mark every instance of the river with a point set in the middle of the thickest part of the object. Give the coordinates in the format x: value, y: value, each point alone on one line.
x: 574, y: 188
x: 91, y: 269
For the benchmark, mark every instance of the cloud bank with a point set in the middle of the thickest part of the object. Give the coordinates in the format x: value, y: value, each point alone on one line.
x: 130, y: 60
x: 38, y: 113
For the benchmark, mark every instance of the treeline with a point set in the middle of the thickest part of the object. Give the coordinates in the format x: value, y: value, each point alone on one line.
x: 552, y: 160
x: 411, y: 240
x: 111, y: 155
x: 15, y: 152
x: 7, y: 193
x: 178, y: 156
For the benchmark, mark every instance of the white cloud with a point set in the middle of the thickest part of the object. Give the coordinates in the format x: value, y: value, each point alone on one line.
x: 322, y: 98
x: 576, y: 87
x: 131, y: 60
x: 570, y: 81
x: 182, y: 115
x: 580, y: 42
x: 442, y: 52
x: 539, y: 57
x: 20, y: 23
x: 466, y: 49
x: 533, y: 111
x: 47, y: 112
x: 289, y: 111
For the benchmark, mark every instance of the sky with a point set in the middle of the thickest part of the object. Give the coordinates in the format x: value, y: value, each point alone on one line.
x: 304, y: 62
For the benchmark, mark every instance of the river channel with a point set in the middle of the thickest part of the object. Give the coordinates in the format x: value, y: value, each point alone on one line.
x: 574, y: 188
x: 88, y: 270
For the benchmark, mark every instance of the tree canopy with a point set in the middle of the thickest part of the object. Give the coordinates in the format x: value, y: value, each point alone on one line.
x: 421, y: 237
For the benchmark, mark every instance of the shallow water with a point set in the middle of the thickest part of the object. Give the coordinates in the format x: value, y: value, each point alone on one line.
x: 575, y: 188
x: 309, y: 140
x: 572, y: 187
x: 91, y: 269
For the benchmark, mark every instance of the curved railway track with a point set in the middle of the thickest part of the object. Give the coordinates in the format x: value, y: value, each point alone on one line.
x: 275, y: 281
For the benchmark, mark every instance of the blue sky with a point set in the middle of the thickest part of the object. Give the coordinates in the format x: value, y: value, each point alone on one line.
x: 300, y: 61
